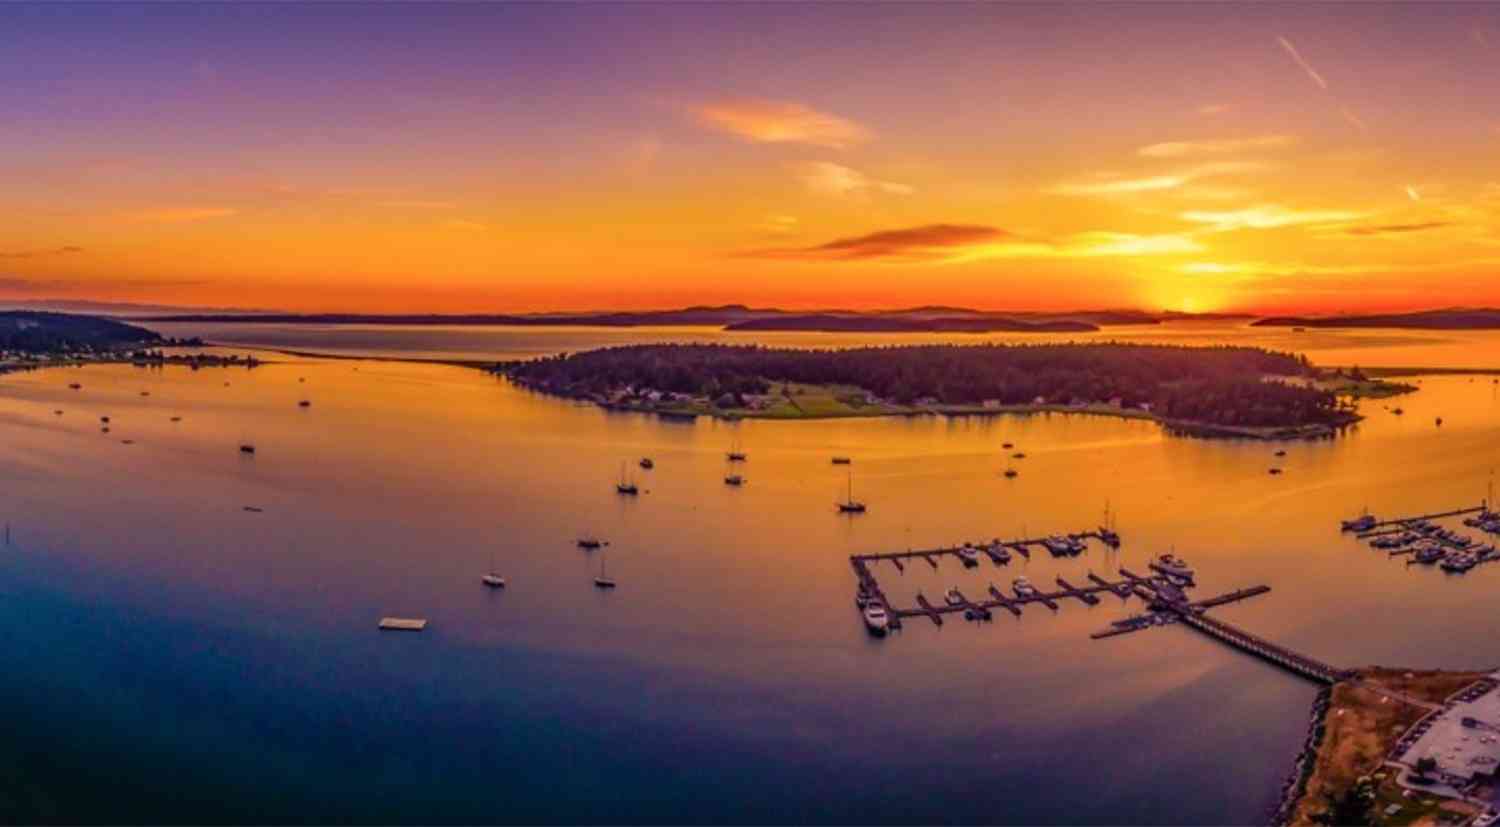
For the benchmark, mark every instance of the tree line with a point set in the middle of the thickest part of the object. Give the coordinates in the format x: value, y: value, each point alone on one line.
x: 1220, y: 385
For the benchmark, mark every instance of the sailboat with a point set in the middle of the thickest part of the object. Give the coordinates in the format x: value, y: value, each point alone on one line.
x: 603, y: 581
x: 625, y: 486
x: 735, y: 452
x: 850, y: 505
x: 492, y: 579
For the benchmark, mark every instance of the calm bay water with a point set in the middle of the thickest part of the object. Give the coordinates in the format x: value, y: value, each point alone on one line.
x: 172, y: 656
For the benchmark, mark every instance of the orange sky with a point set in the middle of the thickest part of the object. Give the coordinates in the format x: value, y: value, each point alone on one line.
x: 495, y: 158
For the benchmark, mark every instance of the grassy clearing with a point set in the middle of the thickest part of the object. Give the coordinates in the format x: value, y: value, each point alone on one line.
x: 1361, y: 727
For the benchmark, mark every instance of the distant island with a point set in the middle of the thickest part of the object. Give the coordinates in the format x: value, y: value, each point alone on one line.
x: 35, y: 331
x: 1453, y: 319
x: 869, y: 323
x: 1203, y: 391
x: 740, y: 317
x: 32, y: 339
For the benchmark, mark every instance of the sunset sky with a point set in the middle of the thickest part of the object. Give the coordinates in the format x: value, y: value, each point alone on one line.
x: 477, y: 158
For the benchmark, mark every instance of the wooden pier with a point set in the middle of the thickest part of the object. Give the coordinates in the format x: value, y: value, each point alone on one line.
x: 1403, y: 521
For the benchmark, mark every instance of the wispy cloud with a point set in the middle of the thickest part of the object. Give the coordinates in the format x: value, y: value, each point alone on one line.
x: 1182, y: 149
x: 780, y: 224
x: 417, y: 204
x: 929, y: 241
x: 1114, y: 184
x: 1306, y: 67
x: 1394, y: 229
x: 1354, y: 120
x: 1214, y: 108
x: 775, y: 122
x: 174, y: 215
x: 13, y: 255
x: 960, y: 243
x: 827, y: 178
x: 1266, y: 216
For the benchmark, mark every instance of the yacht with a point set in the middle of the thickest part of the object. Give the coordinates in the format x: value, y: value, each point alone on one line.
x: 647, y: 464
x: 1022, y: 587
x: 735, y: 453
x: 590, y: 542
x: 1175, y: 566
x: 603, y: 581
x: 876, y: 619
x: 1363, y: 522
x: 840, y: 460
x: 1459, y: 561
x: 492, y: 579
x: 624, y: 486
x: 953, y: 598
x: 247, y: 448
x: 851, y: 505
x: 1059, y: 546
x: 734, y: 479
x: 1429, y: 554
x: 1000, y: 552
x: 969, y: 555
x: 1010, y: 473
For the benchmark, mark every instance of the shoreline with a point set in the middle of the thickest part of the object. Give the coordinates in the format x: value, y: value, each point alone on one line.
x: 1177, y: 427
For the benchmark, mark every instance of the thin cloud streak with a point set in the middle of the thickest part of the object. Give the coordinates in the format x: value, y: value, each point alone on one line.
x: 14, y: 255
x: 1265, y: 217
x: 827, y: 178
x: 1180, y: 149
x: 776, y: 122
x: 1306, y: 67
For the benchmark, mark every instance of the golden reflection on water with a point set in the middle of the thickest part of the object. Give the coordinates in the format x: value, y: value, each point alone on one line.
x: 390, y: 493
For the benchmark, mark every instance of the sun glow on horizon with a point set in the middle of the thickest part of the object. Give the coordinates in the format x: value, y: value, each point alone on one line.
x: 757, y: 161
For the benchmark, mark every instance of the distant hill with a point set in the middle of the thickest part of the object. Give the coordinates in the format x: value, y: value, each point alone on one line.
x: 933, y: 317
x: 830, y: 323
x: 1451, y: 319
x: 38, y: 331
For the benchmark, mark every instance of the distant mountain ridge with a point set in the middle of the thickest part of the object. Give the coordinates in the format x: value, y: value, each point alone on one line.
x: 1482, y: 318
x: 733, y: 317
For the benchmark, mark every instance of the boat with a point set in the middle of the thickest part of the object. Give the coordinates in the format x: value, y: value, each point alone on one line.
x: 145, y: 393
x: 492, y: 579
x: 603, y: 581
x: 1011, y: 473
x: 1018, y: 455
x: 75, y: 386
x: 1174, y: 565
x: 969, y: 555
x: 1429, y: 554
x: 247, y: 448
x: 876, y: 619
x: 1059, y: 546
x: 1007, y: 446
x: 1397, y: 411
x: 953, y: 598
x: 851, y: 505
x: 863, y: 596
x: 624, y: 486
x: 104, y: 419
x: 1280, y: 453
x: 998, y: 550
x: 253, y: 509
x: 1440, y: 422
x: 174, y: 419
x: 735, y: 453
x: 1274, y: 471
x: 1458, y: 561
x: 647, y: 464
x: 58, y: 412
x: 306, y: 403
x: 841, y: 460
x: 590, y: 542
x: 1022, y: 587
x: 1363, y: 522
x: 734, y: 479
